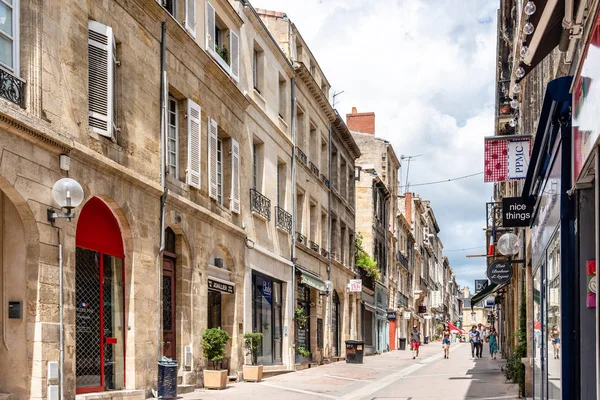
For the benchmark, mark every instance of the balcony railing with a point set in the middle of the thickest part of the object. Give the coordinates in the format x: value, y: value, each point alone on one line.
x: 402, y: 260
x: 260, y: 204
x: 325, y: 180
x: 284, y: 219
x: 423, y: 282
x: 301, y: 155
x: 313, y: 246
x: 402, y: 300
x: 300, y: 238
x: 12, y: 88
x: 314, y: 168
x: 324, y: 252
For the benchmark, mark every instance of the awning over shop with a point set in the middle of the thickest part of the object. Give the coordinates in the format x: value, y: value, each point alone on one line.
x: 491, y: 288
x: 557, y: 103
x: 311, y: 279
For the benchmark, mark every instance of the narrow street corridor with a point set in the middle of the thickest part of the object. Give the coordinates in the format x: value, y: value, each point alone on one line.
x: 393, y: 375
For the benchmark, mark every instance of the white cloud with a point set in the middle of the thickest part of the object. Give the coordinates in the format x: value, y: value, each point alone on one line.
x: 426, y: 67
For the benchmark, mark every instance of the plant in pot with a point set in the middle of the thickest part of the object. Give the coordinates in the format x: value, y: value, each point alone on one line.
x: 252, y: 343
x: 213, y: 346
x: 304, y: 353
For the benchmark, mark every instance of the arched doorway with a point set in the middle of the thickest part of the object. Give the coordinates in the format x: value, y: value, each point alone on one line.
x: 100, y: 300
x: 335, y: 325
x: 168, y: 295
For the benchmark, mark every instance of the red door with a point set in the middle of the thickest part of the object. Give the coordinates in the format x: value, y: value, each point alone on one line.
x: 392, y: 335
x: 169, y: 308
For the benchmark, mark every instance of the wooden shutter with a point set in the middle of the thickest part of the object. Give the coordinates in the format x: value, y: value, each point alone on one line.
x: 194, y: 133
x: 101, y: 70
x: 235, y: 177
x: 213, y: 136
x: 210, y: 27
x: 190, y: 16
x: 234, y: 46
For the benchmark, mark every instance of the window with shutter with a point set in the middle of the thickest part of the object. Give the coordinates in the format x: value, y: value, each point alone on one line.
x: 210, y: 27
x: 235, y: 177
x: 193, y: 128
x: 190, y: 16
x: 213, y: 137
x: 235, y: 55
x: 101, y: 73
x: 9, y: 35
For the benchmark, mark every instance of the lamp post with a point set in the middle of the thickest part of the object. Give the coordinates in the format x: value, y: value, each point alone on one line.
x: 68, y: 194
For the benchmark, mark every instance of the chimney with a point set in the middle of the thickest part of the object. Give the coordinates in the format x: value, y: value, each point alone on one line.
x: 466, y: 292
x: 361, y: 122
x: 408, y: 208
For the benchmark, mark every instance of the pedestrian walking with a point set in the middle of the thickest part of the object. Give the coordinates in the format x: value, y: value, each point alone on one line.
x: 474, y: 339
x: 493, y: 340
x: 415, y: 341
x: 446, y: 341
x: 555, y: 335
x: 481, y: 331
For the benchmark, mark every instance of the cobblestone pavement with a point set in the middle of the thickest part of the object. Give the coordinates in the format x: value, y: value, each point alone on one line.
x: 394, y: 375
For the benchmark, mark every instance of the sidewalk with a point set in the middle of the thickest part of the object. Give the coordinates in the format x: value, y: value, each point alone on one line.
x: 393, y: 375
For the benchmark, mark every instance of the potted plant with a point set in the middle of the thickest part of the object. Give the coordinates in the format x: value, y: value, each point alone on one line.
x: 301, y: 317
x: 304, y: 353
x: 252, y: 342
x: 213, y: 346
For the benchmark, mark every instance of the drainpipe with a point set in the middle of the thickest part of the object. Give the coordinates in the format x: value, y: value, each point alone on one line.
x: 330, y: 234
x: 292, y: 333
x: 567, y: 25
x: 163, y: 105
x: 61, y: 344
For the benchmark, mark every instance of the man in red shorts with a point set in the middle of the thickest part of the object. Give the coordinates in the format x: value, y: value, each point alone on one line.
x: 415, y: 341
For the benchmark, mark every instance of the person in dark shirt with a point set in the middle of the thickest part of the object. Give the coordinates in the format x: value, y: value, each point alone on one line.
x: 415, y: 341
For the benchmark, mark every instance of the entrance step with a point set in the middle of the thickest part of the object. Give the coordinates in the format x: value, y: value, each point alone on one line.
x: 183, y: 389
x: 313, y: 365
x: 336, y: 359
x: 113, y: 394
x: 300, y: 367
x: 232, y: 378
x: 274, y: 372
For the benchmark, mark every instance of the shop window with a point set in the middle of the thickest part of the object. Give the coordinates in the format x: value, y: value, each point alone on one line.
x: 320, y: 334
x: 267, y: 318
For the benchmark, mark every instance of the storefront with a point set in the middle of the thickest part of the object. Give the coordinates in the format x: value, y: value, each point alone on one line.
x: 552, y: 237
x: 267, y: 314
x: 381, y: 322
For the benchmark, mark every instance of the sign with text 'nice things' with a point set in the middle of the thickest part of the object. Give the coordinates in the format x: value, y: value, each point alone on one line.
x: 516, y: 212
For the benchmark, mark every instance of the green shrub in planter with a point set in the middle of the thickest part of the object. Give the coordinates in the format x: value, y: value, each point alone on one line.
x: 213, y: 344
x: 252, y: 342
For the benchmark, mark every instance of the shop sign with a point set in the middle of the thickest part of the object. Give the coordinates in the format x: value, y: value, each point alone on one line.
x: 220, y: 286
x: 506, y: 158
x: 516, y: 212
x: 314, y: 282
x: 407, y: 315
x: 422, y: 309
x: 591, y: 283
x: 500, y: 272
x: 355, y: 285
x: 480, y: 284
x: 391, y: 315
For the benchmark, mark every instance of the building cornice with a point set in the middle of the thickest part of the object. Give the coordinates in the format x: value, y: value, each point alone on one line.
x: 304, y: 74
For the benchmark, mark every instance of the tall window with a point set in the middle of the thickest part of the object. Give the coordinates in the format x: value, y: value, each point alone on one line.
x: 171, y: 6
x: 281, y: 183
x: 220, y: 171
x: 258, y: 68
x: 9, y: 35
x: 282, y: 97
x: 255, y: 69
x: 254, y: 165
x: 172, y: 162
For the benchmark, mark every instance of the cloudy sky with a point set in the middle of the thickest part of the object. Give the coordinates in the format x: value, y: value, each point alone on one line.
x: 426, y: 67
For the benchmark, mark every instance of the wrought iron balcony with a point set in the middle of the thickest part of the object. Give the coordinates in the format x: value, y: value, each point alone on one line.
x: 313, y: 246
x: 445, y: 308
x: 402, y: 260
x: 12, y: 88
x: 423, y: 282
x: 284, y: 219
x: 402, y: 300
x: 325, y: 180
x: 300, y: 238
x: 313, y: 168
x: 301, y: 155
x: 260, y: 204
x: 324, y: 252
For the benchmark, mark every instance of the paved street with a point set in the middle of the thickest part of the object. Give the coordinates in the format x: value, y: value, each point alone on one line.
x: 389, y: 376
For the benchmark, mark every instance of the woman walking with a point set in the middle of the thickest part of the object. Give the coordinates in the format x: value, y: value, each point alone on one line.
x: 493, y: 339
x: 555, y: 335
x: 446, y: 342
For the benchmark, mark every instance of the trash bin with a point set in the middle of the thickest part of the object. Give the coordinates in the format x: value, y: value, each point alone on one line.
x: 167, y: 380
x: 426, y: 340
x: 354, y: 351
x: 402, y: 344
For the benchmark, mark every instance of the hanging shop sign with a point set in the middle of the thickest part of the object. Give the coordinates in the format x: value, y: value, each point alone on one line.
x: 516, y: 212
x: 480, y: 284
x: 406, y: 314
x: 355, y: 285
x: 391, y: 315
x: 591, y: 283
x: 220, y: 286
x: 500, y: 272
x: 314, y: 282
x: 506, y: 157
x: 422, y: 309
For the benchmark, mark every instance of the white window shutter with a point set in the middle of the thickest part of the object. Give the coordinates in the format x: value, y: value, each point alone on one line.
x: 234, y: 45
x: 190, y: 16
x: 101, y: 74
x: 235, y: 177
x: 212, y: 158
x: 210, y: 27
x: 194, y: 134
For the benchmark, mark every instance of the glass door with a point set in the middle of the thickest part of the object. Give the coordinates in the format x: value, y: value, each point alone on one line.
x: 538, y: 344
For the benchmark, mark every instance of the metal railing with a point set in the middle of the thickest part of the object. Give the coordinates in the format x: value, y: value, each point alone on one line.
x: 284, y: 219
x: 402, y: 300
x: 12, y: 88
x: 325, y: 180
x: 423, y: 282
x: 402, y: 260
x: 300, y: 238
x: 301, y: 155
x: 313, y: 246
x: 260, y: 204
x: 313, y: 168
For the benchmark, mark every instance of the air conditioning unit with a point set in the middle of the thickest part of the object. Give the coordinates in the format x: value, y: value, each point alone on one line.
x: 218, y: 262
x: 187, y: 357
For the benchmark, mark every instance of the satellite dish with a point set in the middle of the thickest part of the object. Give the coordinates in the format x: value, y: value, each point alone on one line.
x: 509, y: 244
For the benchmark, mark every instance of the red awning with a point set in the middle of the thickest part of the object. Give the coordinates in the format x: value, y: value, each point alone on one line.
x: 453, y: 329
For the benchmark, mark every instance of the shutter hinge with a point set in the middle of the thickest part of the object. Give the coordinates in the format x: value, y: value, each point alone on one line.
x: 117, y: 63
